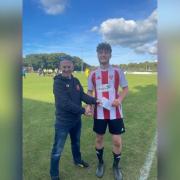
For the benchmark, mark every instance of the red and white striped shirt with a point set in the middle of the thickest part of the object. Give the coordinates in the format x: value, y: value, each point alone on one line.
x: 105, y: 83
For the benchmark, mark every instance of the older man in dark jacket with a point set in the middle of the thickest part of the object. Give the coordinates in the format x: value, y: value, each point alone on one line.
x: 68, y: 94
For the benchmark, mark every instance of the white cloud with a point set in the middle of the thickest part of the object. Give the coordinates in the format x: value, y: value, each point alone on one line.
x: 53, y: 7
x: 150, y: 48
x: 94, y: 29
x: 138, y: 35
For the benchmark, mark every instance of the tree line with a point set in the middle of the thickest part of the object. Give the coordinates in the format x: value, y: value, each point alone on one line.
x: 51, y: 61
x: 140, y: 67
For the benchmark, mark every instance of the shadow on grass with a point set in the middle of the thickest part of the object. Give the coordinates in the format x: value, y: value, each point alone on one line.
x: 140, y: 120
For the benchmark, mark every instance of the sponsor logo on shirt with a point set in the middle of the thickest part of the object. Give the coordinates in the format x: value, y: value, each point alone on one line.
x: 104, y: 87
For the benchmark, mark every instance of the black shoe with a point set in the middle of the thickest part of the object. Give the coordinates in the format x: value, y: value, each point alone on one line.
x: 82, y: 164
x: 100, y: 170
x: 55, y: 178
x: 117, y: 172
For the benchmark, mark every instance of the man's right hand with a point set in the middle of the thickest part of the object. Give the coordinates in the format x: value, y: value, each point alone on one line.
x: 88, y: 110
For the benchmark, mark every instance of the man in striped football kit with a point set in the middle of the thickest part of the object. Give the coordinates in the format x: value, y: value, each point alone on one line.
x: 104, y: 83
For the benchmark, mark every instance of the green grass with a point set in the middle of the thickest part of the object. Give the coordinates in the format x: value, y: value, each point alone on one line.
x: 38, y: 118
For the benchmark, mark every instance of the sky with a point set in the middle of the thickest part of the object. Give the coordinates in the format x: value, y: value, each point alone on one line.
x: 76, y: 28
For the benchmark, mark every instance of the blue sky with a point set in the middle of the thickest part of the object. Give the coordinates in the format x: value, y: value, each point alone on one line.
x: 76, y: 27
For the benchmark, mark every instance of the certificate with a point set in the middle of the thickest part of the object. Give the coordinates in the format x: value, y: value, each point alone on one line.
x: 106, y: 103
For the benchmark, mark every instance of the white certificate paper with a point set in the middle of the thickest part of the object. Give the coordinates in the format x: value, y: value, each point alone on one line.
x: 106, y: 103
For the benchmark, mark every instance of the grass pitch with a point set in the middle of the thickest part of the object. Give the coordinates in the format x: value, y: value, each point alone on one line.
x: 139, y: 110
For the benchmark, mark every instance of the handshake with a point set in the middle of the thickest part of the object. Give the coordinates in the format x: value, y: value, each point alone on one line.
x: 89, y: 109
x: 105, y: 103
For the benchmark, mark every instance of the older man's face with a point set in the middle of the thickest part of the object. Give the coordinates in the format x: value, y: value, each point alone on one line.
x: 67, y: 68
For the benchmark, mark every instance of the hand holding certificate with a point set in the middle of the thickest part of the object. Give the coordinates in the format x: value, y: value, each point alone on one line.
x: 106, y: 103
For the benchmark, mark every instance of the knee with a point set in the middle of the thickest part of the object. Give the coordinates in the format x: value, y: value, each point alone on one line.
x: 99, y: 139
x: 117, y: 143
x: 55, y: 155
x: 56, y: 152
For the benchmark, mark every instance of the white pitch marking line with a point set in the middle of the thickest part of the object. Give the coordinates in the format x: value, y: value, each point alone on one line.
x: 145, y: 170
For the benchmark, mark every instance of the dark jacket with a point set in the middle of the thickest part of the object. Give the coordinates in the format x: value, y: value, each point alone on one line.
x: 68, y: 95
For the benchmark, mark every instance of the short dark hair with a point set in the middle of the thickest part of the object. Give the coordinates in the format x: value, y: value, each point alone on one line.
x: 104, y: 46
x: 65, y: 57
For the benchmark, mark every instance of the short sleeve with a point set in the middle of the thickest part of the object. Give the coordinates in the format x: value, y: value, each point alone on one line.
x: 90, y: 82
x: 123, y: 81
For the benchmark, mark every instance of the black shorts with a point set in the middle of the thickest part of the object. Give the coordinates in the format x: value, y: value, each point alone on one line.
x: 116, y: 126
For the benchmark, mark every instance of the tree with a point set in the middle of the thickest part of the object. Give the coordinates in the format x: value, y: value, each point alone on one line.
x: 51, y: 61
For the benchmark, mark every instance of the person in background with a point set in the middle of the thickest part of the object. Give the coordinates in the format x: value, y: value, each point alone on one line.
x: 24, y: 72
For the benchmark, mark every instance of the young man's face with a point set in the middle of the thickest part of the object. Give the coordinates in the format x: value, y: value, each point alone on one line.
x: 66, y: 67
x: 104, y: 56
